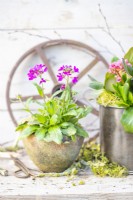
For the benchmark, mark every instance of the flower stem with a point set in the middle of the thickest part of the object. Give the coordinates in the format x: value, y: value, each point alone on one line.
x: 19, y: 98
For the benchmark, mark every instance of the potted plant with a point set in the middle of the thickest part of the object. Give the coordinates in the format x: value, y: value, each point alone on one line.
x: 115, y: 97
x: 52, y: 136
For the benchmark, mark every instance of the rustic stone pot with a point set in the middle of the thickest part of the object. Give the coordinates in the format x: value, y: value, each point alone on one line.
x: 52, y: 157
x: 115, y: 142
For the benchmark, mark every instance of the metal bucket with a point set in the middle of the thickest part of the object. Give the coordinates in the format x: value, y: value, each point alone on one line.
x: 115, y: 142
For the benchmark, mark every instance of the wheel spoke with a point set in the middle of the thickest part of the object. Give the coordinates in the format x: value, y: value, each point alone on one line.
x: 45, y: 61
x: 24, y: 98
x: 88, y: 68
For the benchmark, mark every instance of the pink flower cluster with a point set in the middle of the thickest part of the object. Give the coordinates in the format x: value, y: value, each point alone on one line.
x: 67, y: 71
x: 117, y: 68
x: 36, y: 72
x: 64, y: 72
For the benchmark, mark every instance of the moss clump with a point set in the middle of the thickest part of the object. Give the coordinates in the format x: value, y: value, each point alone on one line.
x: 109, y: 99
x: 99, y: 163
x: 81, y: 182
x: 73, y: 184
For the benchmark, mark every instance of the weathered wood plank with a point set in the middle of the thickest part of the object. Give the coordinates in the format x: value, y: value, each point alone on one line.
x: 114, y: 196
x: 59, y: 188
x: 62, y: 187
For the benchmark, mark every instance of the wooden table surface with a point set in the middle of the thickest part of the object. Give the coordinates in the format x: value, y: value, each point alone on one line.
x: 51, y: 188
x: 54, y: 188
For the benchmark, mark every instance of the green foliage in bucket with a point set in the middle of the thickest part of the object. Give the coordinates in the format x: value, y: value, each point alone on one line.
x: 57, y: 116
x: 117, y: 90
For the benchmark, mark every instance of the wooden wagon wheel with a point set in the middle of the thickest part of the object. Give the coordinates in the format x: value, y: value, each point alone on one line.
x: 39, y: 51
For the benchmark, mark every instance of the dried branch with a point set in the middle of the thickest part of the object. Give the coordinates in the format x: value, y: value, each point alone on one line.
x: 58, y: 35
x: 30, y: 34
x: 108, y: 30
x: 97, y: 42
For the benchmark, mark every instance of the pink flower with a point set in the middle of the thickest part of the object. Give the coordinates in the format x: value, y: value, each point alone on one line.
x: 42, y: 81
x: 36, y: 71
x: 61, y: 68
x: 75, y: 80
x: 68, y: 71
x: 63, y: 87
x: 60, y: 77
x: 75, y: 69
x: 118, y: 78
x: 115, y: 67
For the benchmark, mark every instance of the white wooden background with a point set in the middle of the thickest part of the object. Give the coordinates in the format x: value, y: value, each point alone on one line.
x: 25, y: 23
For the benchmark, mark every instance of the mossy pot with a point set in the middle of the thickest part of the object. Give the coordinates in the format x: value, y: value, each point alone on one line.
x: 52, y: 157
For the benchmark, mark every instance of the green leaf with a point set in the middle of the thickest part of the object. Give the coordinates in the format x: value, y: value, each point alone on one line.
x: 130, y: 97
x: 71, y: 130
x: 71, y: 113
x: 83, y: 112
x: 124, y: 91
x: 124, y: 77
x: 51, y: 107
x: 40, y: 118
x: 40, y: 133
x: 66, y: 94
x: 66, y: 124
x: 73, y: 137
x: 131, y: 84
x: 129, y: 55
x: 127, y: 120
x: 72, y: 106
x: 91, y: 78
x: 29, y: 100
x: 117, y: 92
x: 109, y: 81
x: 114, y: 59
x: 26, y: 110
x: 96, y: 85
x: 53, y: 119
x: 39, y: 89
x: 81, y: 132
x: 128, y: 69
x: 28, y: 131
x: 54, y: 134
x: 20, y: 127
x: 122, y: 104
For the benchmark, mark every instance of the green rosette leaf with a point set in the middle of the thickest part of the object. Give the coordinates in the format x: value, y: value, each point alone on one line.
x: 127, y: 120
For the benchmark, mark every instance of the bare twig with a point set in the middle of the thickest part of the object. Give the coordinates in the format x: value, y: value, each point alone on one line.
x: 97, y: 42
x: 108, y: 30
x: 30, y: 34
x: 58, y: 35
